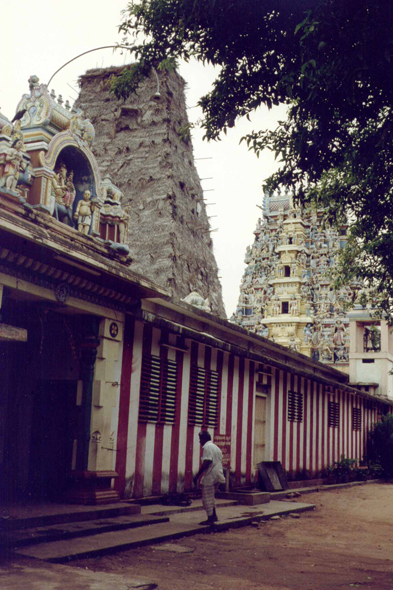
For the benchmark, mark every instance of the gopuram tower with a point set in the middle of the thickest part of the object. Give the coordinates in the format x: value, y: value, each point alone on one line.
x: 286, y: 293
x: 143, y: 146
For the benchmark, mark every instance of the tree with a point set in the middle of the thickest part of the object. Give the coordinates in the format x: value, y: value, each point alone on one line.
x: 331, y: 62
x: 381, y: 444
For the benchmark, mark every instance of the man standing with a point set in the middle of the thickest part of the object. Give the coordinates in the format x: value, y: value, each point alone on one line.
x: 213, y: 475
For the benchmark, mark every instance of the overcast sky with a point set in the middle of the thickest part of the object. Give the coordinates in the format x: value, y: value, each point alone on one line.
x: 38, y: 37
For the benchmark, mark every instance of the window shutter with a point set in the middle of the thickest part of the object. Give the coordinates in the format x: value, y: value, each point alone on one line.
x: 356, y: 419
x: 333, y: 414
x: 203, y: 398
x: 295, y: 406
x: 158, y: 390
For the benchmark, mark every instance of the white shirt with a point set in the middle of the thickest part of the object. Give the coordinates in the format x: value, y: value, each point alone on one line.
x: 214, y: 474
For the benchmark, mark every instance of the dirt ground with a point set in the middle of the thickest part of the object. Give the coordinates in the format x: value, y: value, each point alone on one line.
x: 346, y: 542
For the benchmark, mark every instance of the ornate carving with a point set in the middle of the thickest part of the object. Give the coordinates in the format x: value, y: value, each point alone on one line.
x: 286, y: 283
x: 12, y: 165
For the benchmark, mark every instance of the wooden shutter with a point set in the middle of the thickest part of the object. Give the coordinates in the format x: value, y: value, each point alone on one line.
x: 356, y: 419
x: 295, y: 406
x: 158, y: 390
x: 333, y: 414
x: 203, y: 398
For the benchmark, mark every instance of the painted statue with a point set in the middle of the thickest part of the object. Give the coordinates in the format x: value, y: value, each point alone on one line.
x: 84, y: 213
x: 293, y: 308
x: 13, y: 166
x: 69, y: 195
x: 82, y: 129
x: 307, y: 331
x: 339, y: 334
x: 63, y: 191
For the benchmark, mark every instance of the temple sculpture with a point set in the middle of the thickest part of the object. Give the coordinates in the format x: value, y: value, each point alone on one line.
x: 47, y: 164
x: 286, y: 293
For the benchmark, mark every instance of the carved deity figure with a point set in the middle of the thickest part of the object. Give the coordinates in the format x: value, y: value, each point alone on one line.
x: 293, y: 307
x: 317, y: 335
x: 69, y: 195
x: 293, y: 345
x: 111, y: 191
x: 339, y: 334
x: 276, y: 307
x: 63, y: 191
x: 84, y: 212
x: 264, y: 331
x: 59, y: 184
x: 307, y: 331
x: 13, y: 166
x: 82, y: 129
x: 17, y: 132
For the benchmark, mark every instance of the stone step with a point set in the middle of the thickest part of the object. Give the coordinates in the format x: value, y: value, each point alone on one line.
x: 180, y: 525
x: 65, y: 513
x: 106, y: 543
x: 72, y: 530
x: 161, y: 510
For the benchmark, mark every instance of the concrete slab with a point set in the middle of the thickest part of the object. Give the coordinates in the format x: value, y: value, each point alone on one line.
x: 60, y: 532
x: 17, y: 516
x: 252, y: 498
x: 30, y: 574
x: 180, y: 525
x: 106, y: 543
x: 160, y: 510
x: 174, y: 548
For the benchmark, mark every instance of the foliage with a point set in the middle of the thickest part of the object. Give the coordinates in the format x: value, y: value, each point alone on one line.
x: 184, y: 133
x: 381, y: 444
x: 331, y: 62
x: 344, y: 466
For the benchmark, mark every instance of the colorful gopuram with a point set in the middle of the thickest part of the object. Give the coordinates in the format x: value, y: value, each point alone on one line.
x: 286, y: 292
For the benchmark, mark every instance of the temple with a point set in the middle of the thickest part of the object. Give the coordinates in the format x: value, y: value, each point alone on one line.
x: 286, y: 293
x: 107, y: 377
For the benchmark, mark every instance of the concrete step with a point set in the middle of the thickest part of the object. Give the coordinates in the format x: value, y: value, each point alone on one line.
x: 180, y: 525
x: 160, y: 510
x: 50, y: 515
x: 106, y: 543
x: 72, y: 530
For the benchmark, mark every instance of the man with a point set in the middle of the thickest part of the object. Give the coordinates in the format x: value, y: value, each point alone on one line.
x: 211, y: 469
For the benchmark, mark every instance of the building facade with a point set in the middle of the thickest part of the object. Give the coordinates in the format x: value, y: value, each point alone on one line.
x: 106, y: 379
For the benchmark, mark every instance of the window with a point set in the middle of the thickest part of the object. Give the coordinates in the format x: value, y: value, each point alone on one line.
x: 372, y: 338
x: 158, y: 390
x: 333, y: 414
x: 356, y: 419
x: 203, y: 402
x: 287, y: 271
x: 285, y: 307
x: 295, y: 406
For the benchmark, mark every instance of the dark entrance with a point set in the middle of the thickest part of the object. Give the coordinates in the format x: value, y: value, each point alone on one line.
x: 37, y: 400
x: 52, y: 436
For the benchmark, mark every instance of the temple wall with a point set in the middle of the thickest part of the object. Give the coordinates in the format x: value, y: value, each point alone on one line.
x: 155, y: 457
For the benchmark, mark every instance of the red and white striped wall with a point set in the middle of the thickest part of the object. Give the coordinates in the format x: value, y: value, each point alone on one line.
x: 153, y: 459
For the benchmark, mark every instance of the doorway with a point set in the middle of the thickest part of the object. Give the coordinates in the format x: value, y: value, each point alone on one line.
x: 53, y: 432
x: 260, y: 429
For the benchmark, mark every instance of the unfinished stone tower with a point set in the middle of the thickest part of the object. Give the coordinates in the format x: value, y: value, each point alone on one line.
x: 144, y: 144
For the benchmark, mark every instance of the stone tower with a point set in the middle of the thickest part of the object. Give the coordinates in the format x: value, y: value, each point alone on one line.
x: 286, y: 293
x: 144, y: 144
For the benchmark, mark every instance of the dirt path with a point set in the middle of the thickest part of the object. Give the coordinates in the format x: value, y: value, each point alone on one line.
x: 347, y: 542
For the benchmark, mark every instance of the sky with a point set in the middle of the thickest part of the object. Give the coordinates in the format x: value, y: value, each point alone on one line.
x: 41, y: 36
